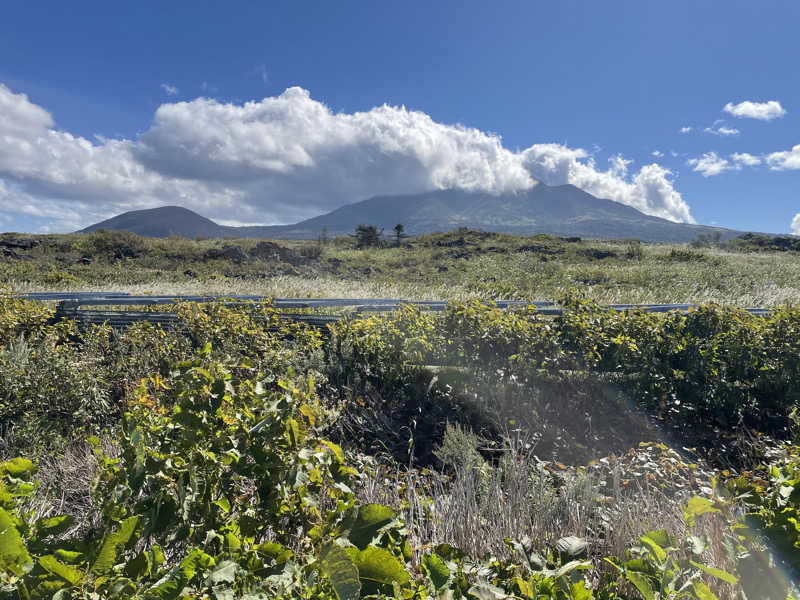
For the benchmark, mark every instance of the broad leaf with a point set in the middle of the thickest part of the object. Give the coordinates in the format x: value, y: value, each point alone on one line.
x: 718, y: 573
x: 702, y: 591
x: 378, y: 565
x: 14, y: 556
x: 280, y: 554
x: 487, y: 591
x: 340, y: 570
x: 19, y: 467
x: 641, y: 583
x: 437, y: 570
x: 371, y: 518
x: 655, y: 549
x: 697, y: 506
x: 108, y: 552
x: 65, y: 572
x: 54, y: 525
x: 224, y: 572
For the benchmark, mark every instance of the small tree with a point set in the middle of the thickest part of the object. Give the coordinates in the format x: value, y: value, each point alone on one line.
x: 368, y: 236
x: 399, y: 233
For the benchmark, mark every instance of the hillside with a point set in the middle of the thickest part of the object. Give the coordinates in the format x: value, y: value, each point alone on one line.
x: 161, y: 222
x: 557, y: 210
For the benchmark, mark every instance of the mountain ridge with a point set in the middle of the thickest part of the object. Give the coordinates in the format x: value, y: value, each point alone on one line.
x: 557, y: 210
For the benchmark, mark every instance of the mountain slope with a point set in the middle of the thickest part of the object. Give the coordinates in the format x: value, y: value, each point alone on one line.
x: 161, y: 222
x: 559, y: 210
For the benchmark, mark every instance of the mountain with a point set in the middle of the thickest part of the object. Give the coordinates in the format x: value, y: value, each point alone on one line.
x: 558, y: 210
x: 161, y: 222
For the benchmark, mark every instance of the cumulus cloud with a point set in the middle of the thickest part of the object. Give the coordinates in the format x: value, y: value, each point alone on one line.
x: 169, y: 90
x: 657, y: 153
x: 686, y: 129
x: 796, y: 224
x: 743, y: 158
x: 19, y: 116
x: 649, y: 190
x: 722, y: 130
x: 710, y: 164
x: 285, y: 158
x: 764, y: 111
x: 785, y: 160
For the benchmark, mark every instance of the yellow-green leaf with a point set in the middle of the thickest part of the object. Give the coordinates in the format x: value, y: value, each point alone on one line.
x: 718, y: 573
x: 14, y: 556
x: 340, y: 570
x: 702, y: 591
x: 65, y: 572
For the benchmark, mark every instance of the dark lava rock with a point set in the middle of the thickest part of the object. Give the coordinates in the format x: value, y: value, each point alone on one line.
x: 19, y: 243
x: 127, y: 252
x: 9, y: 254
x: 780, y: 243
x: 540, y: 249
x: 272, y: 252
x: 84, y: 260
x: 452, y: 243
x: 597, y: 254
x: 190, y: 273
x: 227, y: 252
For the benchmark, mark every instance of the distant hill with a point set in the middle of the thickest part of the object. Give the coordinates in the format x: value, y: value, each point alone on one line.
x: 161, y: 222
x: 558, y: 210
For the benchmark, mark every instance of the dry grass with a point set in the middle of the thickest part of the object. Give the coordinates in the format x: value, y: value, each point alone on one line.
x: 477, y: 508
x: 282, y: 286
x: 65, y: 485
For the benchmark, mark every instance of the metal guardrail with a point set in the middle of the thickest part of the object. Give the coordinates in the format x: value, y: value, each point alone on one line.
x: 70, y: 303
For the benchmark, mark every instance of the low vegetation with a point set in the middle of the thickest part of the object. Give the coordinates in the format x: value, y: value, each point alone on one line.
x: 476, y: 453
x: 457, y: 265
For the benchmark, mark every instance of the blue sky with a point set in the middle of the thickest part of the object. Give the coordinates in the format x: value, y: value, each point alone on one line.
x: 478, y: 95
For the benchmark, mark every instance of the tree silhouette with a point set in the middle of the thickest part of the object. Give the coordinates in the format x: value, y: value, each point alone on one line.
x: 368, y: 236
x: 399, y: 233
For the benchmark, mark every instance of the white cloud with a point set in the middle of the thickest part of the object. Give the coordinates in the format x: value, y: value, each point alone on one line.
x: 19, y: 116
x: 722, y: 130
x: 261, y: 71
x: 743, y: 158
x: 282, y: 159
x: 764, y: 111
x: 686, y: 129
x: 710, y: 164
x: 169, y: 90
x: 650, y: 190
x: 796, y: 224
x: 785, y: 160
x: 657, y: 153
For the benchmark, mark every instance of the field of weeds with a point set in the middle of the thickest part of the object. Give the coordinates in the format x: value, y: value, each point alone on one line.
x: 455, y: 265
x: 477, y: 453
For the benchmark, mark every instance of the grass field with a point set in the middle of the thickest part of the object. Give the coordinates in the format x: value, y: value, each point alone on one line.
x: 436, y: 267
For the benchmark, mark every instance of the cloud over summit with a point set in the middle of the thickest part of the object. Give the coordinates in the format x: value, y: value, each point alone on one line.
x: 282, y: 159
